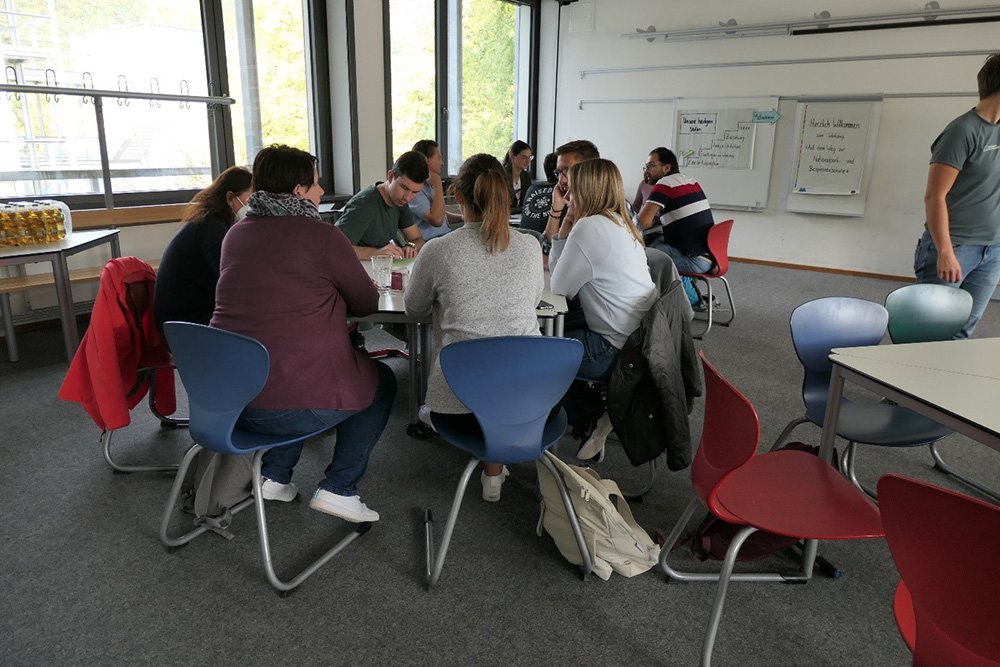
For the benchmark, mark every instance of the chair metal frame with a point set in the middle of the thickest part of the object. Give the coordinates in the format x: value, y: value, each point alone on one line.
x: 927, y: 312
x: 516, y: 426
x: 222, y: 372
x: 850, y: 322
x: 718, y: 247
x: 177, y: 422
x: 727, y: 451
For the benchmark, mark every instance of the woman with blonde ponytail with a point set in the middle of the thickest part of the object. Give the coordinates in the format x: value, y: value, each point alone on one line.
x: 476, y: 282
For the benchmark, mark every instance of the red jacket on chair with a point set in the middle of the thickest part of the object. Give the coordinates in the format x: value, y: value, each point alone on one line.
x: 121, y: 338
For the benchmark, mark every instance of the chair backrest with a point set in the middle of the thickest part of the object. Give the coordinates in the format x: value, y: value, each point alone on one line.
x: 718, y: 246
x: 944, y: 545
x: 820, y: 325
x: 221, y: 372
x: 511, y: 384
x: 729, y: 435
x: 926, y: 312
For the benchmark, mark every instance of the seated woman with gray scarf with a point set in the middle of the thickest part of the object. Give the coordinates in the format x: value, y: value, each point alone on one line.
x: 291, y: 280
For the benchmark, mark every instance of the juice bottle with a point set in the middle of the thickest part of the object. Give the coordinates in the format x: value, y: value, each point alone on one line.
x: 36, y: 230
x: 46, y: 212
x: 20, y: 224
x: 6, y: 227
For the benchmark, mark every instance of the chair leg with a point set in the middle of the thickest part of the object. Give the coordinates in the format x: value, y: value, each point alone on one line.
x: 708, y: 325
x: 637, y: 495
x: 948, y: 470
x: 172, y: 543
x: 792, y: 425
x: 285, y: 587
x: 8, y: 327
x: 850, y: 455
x: 725, y: 576
x: 434, y: 565
x: 118, y: 467
x: 678, y: 575
x: 732, y: 304
x: 587, y: 566
x: 164, y: 419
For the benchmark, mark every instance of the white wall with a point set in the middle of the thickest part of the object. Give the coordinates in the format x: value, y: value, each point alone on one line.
x: 880, y: 242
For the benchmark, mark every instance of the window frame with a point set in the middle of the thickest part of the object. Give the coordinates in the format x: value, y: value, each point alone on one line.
x: 219, y: 117
x: 442, y: 30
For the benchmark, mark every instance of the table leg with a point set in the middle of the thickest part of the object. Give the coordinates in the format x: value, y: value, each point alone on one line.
x: 546, y: 326
x: 413, y: 381
x: 8, y: 327
x: 425, y: 357
x: 116, y: 248
x: 71, y: 337
x: 560, y: 324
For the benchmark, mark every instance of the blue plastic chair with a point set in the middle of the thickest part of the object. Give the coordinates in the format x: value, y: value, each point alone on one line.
x: 511, y: 385
x: 222, y: 372
x: 927, y: 312
x: 824, y: 324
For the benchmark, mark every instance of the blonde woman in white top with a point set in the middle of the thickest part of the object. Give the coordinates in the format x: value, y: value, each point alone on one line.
x: 598, y: 256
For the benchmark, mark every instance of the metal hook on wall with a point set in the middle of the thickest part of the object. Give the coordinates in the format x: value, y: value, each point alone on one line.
x: 122, y: 80
x: 9, y: 70
x: 54, y: 84
x: 87, y: 77
x: 154, y: 87
x: 185, y: 90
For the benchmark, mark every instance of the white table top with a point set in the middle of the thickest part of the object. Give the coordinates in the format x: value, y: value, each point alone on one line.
x: 958, y: 378
x: 71, y: 242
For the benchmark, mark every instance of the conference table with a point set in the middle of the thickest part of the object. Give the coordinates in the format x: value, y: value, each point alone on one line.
x: 56, y: 253
x: 956, y: 383
x: 391, y: 310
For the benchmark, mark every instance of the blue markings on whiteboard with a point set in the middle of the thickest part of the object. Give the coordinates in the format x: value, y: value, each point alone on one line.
x: 771, y: 116
x: 802, y: 189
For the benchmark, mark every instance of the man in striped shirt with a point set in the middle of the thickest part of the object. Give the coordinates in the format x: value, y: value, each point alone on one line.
x: 684, y: 218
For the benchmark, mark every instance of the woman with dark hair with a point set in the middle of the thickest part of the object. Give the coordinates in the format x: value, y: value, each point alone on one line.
x: 478, y: 281
x: 291, y: 280
x: 428, y: 206
x: 189, y: 269
x: 516, y: 163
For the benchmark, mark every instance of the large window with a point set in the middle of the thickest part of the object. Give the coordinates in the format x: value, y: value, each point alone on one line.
x: 457, y: 75
x: 259, y: 52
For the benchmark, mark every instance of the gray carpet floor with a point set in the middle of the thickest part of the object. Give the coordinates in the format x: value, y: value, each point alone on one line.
x: 86, y: 582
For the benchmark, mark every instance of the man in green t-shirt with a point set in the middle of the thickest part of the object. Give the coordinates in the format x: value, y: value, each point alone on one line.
x: 961, y: 242
x: 373, y: 216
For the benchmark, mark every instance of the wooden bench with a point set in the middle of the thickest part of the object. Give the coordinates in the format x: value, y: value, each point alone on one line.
x: 40, y: 280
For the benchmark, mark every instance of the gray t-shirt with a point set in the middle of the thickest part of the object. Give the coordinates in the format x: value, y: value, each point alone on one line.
x: 972, y: 145
x: 473, y: 294
x: 368, y: 221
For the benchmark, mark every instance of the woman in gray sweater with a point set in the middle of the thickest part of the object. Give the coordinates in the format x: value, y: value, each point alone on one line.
x: 478, y: 281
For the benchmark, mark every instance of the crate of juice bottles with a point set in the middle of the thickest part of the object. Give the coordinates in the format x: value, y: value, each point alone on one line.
x: 34, y: 222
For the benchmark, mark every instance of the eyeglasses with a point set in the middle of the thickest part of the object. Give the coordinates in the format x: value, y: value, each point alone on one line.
x: 650, y: 165
x: 529, y: 158
x: 561, y: 172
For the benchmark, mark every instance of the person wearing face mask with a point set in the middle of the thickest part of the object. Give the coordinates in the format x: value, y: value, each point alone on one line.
x: 189, y: 268
x: 291, y: 280
x: 428, y: 206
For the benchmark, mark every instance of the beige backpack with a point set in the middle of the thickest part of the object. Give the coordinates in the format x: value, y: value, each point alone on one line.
x: 613, y: 538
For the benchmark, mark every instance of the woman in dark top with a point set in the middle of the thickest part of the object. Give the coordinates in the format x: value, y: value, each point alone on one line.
x: 516, y: 163
x: 189, y: 269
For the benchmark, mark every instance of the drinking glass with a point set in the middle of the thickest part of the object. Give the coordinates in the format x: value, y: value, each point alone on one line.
x: 382, y: 272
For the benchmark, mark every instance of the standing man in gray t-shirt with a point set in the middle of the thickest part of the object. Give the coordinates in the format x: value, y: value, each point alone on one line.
x: 961, y: 243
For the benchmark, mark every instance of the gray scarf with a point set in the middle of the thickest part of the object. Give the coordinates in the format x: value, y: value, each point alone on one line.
x: 275, y: 204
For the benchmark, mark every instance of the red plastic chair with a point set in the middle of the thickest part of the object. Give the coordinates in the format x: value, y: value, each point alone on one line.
x: 943, y: 544
x: 788, y: 492
x: 718, y: 248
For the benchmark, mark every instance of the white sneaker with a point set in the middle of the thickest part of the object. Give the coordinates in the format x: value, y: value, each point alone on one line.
x: 272, y: 490
x: 595, y: 443
x: 348, y: 508
x: 491, y: 485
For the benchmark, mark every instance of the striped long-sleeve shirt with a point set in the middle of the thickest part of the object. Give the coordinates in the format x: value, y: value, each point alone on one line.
x: 686, y: 216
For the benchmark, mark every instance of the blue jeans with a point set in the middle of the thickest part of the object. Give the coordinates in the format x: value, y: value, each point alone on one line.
x: 980, y: 273
x: 583, y: 403
x: 684, y: 264
x: 357, y: 433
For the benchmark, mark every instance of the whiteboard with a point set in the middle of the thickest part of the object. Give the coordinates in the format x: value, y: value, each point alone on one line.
x: 833, y: 156
x: 726, y: 144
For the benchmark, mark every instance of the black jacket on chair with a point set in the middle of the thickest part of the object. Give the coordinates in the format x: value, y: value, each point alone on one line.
x: 654, y: 384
